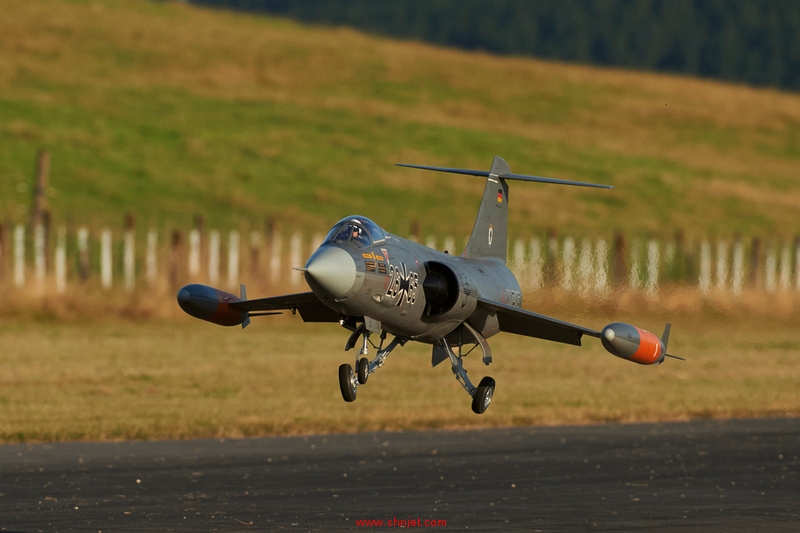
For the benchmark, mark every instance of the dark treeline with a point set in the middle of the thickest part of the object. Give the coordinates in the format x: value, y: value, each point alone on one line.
x: 751, y: 41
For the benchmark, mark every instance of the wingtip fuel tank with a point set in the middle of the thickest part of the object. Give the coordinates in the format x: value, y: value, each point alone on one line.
x: 632, y: 343
x: 210, y: 304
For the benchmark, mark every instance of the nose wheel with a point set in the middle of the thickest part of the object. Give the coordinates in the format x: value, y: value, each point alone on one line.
x: 349, y: 380
x: 363, y: 370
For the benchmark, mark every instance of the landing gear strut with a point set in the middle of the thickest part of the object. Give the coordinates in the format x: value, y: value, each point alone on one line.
x: 483, y: 393
x: 349, y: 380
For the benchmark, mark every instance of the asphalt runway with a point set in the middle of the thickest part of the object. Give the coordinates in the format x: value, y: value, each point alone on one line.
x: 741, y: 475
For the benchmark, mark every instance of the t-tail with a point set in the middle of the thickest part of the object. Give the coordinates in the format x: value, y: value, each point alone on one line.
x: 489, y: 238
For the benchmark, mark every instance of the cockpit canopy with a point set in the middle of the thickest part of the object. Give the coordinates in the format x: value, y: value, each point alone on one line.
x: 359, y: 230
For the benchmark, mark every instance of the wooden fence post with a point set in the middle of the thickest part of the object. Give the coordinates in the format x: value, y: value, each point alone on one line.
x: 416, y: 230
x: 755, y: 262
x: 152, y: 257
x: 83, y: 254
x: 175, y: 256
x: 784, y: 279
x: 620, y: 268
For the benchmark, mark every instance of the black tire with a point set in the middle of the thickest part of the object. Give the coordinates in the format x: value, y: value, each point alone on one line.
x: 347, y: 382
x: 483, y: 395
x: 363, y: 370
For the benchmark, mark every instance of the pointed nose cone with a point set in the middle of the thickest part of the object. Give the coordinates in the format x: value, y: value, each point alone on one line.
x: 332, y: 270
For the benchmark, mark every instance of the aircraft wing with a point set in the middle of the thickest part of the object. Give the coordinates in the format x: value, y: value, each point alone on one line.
x: 310, y: 307
x: 522, y: 322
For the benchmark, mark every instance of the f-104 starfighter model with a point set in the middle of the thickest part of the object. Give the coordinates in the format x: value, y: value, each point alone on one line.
x: 377, y: 284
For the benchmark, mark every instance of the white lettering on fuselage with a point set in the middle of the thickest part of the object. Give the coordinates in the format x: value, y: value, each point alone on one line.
x: 402, y: 285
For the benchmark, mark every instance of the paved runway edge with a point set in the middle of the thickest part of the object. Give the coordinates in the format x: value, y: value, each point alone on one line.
x: 734, y: 475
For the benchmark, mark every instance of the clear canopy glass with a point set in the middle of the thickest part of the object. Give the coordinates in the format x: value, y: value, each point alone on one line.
x: 359, y: 230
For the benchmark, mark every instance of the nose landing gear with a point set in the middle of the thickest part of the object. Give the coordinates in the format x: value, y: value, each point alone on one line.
x: 349, y: 380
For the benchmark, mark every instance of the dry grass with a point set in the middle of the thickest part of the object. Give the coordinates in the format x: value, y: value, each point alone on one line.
x: 170, y: 376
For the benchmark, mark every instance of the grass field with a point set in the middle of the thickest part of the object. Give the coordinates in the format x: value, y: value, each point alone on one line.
x: 180, y: 378
x: 168, y: 111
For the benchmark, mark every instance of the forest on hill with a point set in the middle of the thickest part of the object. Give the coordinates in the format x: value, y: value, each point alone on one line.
x: 751, y: 41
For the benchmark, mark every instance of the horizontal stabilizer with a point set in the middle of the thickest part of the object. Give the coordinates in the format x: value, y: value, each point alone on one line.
x: 507, y: 176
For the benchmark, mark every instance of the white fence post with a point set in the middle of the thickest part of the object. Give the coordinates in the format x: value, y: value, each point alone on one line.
x: 129, y: 259
x: 61, y: 260
x: 233, y: 259
x: 295, y: 251
x: 194, y: 253
x: 450, y: 245
x: 585, y: 267
x: 535, y: 264
x: 213, y: 257
x: 19, y: 255
x: 601, y: 266
x: 275, y: 257
x: 568, y: 259
x: 106, y: 276
x: 704, y: 280
x: 737, y: 274
x: 653, y: 259
x: 722, y: 265
x: 770, y: 266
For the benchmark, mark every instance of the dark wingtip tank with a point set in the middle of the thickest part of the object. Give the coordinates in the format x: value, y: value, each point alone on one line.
x: 210, y: 304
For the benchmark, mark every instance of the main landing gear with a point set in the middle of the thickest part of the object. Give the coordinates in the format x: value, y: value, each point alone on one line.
x: 483, y: 393
x: 349, y: 380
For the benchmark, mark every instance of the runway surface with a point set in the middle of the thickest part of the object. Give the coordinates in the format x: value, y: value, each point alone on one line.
x: 741, y: 475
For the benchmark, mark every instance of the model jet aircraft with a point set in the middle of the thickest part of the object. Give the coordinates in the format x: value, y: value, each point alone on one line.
x: 375, y: 283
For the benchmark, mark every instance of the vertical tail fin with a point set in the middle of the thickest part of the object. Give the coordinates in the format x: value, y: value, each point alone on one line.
x: 243, y: 297
x: 665, y: 341
x: 489, y: 236
x: 665, y: 336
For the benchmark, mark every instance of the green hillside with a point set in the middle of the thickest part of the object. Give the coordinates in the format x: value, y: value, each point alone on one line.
x: 169, y: 111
